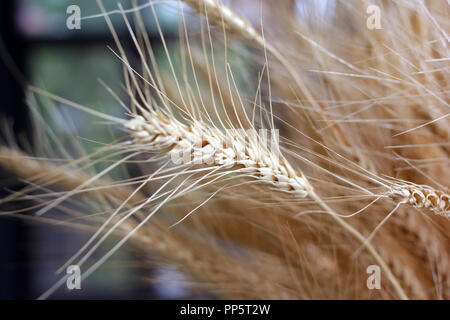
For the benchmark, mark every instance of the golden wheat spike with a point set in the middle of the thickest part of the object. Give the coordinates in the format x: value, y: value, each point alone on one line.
x: 206, y: 145
x: 421, y: 196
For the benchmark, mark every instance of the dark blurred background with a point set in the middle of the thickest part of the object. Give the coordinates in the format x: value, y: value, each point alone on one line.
x: 37, y: 47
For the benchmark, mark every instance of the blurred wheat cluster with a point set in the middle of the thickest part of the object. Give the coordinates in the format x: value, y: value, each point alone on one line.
x: 351, y: 203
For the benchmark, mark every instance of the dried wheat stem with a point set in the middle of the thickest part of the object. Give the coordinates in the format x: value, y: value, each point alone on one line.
x: 62, y: 176
x: 28, y: 167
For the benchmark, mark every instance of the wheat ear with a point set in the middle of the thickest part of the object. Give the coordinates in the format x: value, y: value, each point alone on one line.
x: 421, y: 196
x: 204, y: 144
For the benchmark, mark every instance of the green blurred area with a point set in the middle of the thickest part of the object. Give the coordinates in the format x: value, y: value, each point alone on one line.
x: 74, y: 73
x: 47, y: 18
x: 72, y: 70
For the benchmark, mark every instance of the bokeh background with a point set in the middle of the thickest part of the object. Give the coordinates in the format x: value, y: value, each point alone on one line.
x: 38, y: 48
